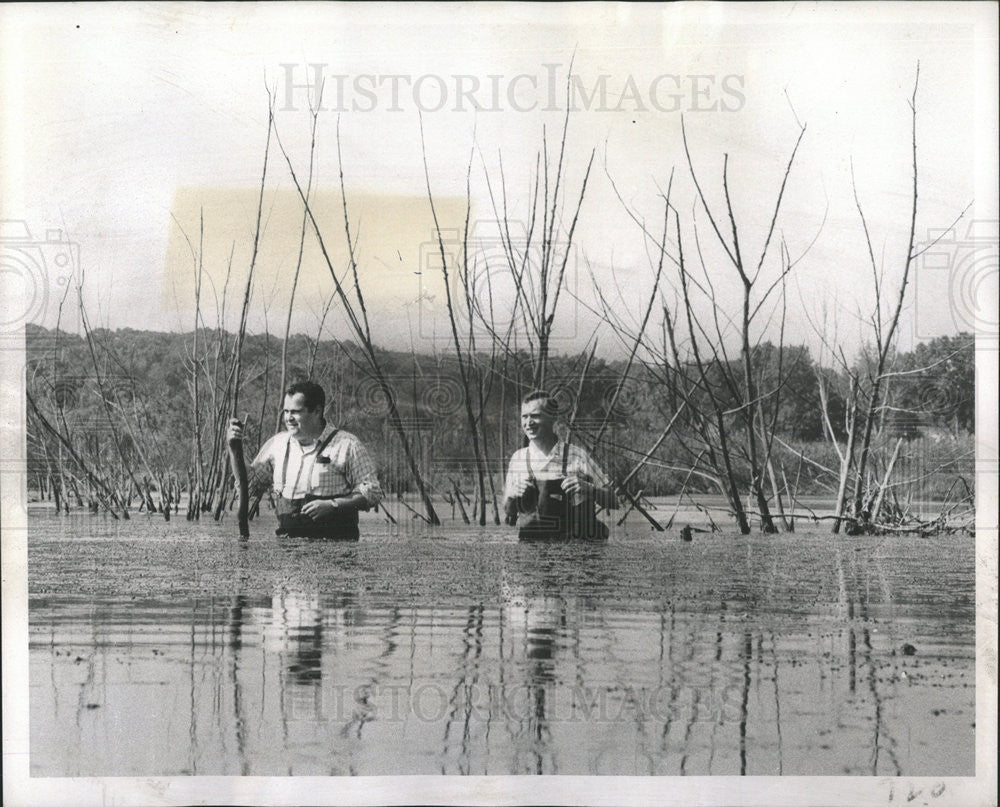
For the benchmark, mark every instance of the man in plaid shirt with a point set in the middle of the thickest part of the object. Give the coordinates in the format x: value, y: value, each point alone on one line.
x: 323, y: 476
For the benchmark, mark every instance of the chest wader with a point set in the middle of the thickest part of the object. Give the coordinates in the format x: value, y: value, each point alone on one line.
x: 548, y: 512
x: 294, y: 524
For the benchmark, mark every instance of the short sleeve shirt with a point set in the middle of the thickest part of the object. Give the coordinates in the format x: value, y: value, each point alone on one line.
x: 549, y: 466
x: 294, y: 470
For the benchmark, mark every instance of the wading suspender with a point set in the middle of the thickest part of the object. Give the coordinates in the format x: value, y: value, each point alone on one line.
x: 284, y: 464
x: 527, y: 460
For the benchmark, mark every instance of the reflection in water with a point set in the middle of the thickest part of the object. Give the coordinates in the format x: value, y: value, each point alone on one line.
x: 235, y: 645
x: 296, y: 630
x: 293, y: 631
x: 534, y: 623
x: 753, y: 658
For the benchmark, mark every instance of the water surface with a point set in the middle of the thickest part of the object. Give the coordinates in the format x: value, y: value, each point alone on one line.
x: 169, y: 649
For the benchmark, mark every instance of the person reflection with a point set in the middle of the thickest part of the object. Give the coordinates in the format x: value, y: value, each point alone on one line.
x: 537, y: 618
x: 300, y: 626
x: 533, y: 622
x: 546, y: 619
x: 545, y: 607
x: 294, y: 631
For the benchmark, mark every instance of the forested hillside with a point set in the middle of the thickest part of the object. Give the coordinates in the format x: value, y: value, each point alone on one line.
x: 120, y: 410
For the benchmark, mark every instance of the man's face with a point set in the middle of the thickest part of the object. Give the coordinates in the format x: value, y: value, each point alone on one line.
x: 535, y: 421
x: 304, y: 424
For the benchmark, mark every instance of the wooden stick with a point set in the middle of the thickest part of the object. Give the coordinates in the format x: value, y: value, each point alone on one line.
x: 236, y: 460
x: 239, y: 467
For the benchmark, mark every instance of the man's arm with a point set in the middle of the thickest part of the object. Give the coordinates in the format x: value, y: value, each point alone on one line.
x: 260, y: 477
x: 516, y: 484
x: 593, y: 482
x: 363, y: 476
x: 603, y: 490
x: 260, y: 474
x: 510, y: 507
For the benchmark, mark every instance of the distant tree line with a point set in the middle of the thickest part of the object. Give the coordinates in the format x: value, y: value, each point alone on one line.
x: 144, y: 380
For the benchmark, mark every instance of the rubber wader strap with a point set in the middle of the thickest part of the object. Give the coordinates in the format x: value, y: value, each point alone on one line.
x: 284, y: 463
x: 565, y: 462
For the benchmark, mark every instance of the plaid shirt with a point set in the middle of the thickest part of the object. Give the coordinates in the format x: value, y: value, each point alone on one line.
x: 342, y: 468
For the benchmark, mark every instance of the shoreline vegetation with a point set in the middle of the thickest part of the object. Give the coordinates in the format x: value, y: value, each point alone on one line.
x: 76, y: 460
x: 685, y: 515
x: 704, y: 397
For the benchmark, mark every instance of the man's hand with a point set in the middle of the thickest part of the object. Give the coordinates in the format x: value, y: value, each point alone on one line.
x: 577, y: 485
x: 320, y: 508
x: 235, y: 431
x: 522, y: 486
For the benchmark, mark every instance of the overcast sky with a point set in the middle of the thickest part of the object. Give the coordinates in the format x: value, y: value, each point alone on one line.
x: 122, y: 123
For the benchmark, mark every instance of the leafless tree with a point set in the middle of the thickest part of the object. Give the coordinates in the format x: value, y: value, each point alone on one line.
x: 357, y: 316
x: 860, y: 494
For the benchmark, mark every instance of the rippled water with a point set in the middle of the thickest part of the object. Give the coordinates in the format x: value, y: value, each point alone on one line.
x: 175, y: 649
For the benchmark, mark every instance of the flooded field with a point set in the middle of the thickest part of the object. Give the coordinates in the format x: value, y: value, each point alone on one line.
x: 171, y: 649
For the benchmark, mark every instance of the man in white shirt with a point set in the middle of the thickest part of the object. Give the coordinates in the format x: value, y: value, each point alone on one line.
x: 552, y: 486
x: 323, y: 475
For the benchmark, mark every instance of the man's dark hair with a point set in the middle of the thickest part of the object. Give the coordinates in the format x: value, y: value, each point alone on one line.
x: 549, y: 404
x: 311, y: 391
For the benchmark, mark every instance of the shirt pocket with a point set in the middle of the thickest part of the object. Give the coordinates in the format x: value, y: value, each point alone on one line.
x: 328, y: 477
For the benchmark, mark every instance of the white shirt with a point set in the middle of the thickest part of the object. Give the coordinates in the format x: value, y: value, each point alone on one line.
x: 531, y: 462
